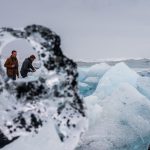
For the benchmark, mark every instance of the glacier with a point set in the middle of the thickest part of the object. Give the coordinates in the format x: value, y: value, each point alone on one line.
x: 120, y: 121
x: 50, y: 99
x: 102, y: 107
x: 118, y: 112
x: 120, y: 73
x: 90, y: 76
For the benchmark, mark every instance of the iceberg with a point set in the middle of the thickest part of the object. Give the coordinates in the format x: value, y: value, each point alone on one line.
x: 98, y: 70
x: 120, y: 73
x: 91, y: 80
x: 82, y: 73
x: 27, y: 105
x: 121, y: 121
x: 91, y: 77
x: 118, y: 112
x: 143, y: 86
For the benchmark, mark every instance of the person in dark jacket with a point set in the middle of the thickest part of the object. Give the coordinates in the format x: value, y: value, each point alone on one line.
x: 27, y: 66
x: 11, y: 65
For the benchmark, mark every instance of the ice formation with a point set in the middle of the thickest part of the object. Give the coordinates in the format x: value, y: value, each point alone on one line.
x: 27, y: 104
x: 118, y: 112
x: 91, y: 76
x: 120, y: 73
x: 119, y: 122
x: 98, y: 70
x: 143, y: 85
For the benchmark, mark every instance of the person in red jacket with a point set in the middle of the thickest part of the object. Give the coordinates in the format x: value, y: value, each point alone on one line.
x: 11, y: 65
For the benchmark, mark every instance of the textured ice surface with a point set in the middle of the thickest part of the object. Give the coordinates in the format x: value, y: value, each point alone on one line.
x: 96, y: 70
x: 27, y: 104
x: 91, y: 77
x: 120, y: 73
x: 143, y: 85
x: 91, y: 80
x: 119, y: 122
x: 118, y: 112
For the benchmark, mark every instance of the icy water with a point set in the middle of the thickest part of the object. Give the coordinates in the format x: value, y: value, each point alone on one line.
x: 140, y: 139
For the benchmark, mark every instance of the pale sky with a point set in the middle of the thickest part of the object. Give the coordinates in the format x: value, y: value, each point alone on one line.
x: 90, y: 29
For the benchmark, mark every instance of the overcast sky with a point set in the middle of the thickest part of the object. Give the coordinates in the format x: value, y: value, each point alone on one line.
x: 89, y: 29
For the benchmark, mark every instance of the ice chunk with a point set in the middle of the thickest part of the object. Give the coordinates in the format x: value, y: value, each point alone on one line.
x: 46, y: 138
x: 122, y: 122
x: 91, y: 76
x: 93, y: 109
x: 82, y: 73
x: 27, y: 104
x: 91, y: 80
x: 98, y: 70
x: 120, y: 73
x: 143, y: 85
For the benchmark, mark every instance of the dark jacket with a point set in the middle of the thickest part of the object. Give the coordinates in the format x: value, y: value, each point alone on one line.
x: 12, y: 71
x: 26, y: 67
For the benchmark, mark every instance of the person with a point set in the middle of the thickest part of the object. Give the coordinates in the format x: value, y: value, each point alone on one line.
x: 11, y: 65
x: 27, y: 66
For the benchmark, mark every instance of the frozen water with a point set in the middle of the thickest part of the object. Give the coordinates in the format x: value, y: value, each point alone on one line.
x: 120, y: 73
x: 28, y: 104
x: 96, y: 70
x: 91, y: 80
x: 82, y: 73
x: 120, y: 121
x: 46, y: 139
x: 45, y: 110
x: 118, y: 112
x: 91, y: 77
x: 143, y: 85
